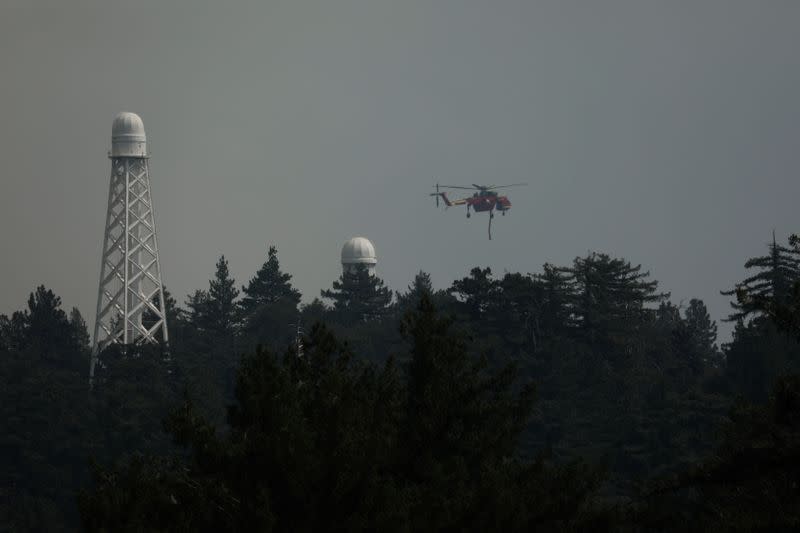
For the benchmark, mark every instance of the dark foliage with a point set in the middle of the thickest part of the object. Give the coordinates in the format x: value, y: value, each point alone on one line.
x: 323, y: 442
x: 269, y: 306
x: 402, y: 418
x: 358, y: 296
x: 777, y: 272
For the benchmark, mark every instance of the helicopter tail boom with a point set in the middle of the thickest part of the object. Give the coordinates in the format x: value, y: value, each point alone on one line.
x: 447, y: 201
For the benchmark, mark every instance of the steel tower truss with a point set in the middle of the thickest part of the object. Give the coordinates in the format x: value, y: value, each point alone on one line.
x: 130, y: 299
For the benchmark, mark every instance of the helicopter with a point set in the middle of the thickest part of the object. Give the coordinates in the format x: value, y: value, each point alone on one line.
x: 484, y: 199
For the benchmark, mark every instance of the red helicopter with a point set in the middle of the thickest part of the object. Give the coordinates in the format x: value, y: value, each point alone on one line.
x: 485, y: 199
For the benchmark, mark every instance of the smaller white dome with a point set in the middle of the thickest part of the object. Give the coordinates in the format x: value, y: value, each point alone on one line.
x: 359, y: 250
x: 127, y: 136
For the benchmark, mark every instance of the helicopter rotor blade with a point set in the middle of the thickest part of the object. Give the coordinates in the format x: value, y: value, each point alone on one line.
x: 455, y: 187
x: 506, y: 186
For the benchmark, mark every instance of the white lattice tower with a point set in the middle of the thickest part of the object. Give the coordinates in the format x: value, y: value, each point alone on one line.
x: 130, y: 298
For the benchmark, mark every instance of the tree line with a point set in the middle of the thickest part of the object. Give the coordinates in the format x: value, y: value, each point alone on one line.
x: 577, y: 397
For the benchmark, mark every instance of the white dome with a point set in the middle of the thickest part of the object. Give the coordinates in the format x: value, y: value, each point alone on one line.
x: 359, y: 250
x: 127, y: 136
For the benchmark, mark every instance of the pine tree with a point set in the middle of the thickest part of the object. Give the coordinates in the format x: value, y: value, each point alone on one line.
x: 209, y: 343
x: 47, y: 429
x: 270, y: 285
x: 359, y: 296
x: 444, y: 384
x: 689, y: 348
x: 784, y: 313
x: 611, y: 296
x: 80, y: 334
x: 668, y: 316
x: 558, y: 300
x: 478, y: 292
x: 759, y: 352
x: 220, y: 307
x: 45, y: 329
x: 673, y: 348
x: 518, y: 312
x: 702, y: 331
x: 777, y: 272
x: 197, y: 302
x: 421, y: 285
x: 269, y: 306
x: 214, y: 312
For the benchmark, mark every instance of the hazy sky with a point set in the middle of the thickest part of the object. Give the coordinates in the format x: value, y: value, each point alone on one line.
x: 667, y: 133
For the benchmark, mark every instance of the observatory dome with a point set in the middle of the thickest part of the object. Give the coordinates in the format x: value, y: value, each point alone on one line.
x: 127, y: 136
x: 359, y: 251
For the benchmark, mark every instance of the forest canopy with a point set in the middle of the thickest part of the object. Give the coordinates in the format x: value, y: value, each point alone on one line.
x: 576, y: 397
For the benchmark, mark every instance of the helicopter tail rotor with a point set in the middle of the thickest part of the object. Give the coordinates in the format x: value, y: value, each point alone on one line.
x: 437, y: 194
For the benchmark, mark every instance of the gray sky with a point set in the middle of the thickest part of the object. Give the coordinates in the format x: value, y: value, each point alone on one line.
x: 667, y: 133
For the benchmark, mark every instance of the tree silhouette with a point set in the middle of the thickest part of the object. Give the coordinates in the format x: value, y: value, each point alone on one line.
x: 358, y: 296
x: 776, y: 274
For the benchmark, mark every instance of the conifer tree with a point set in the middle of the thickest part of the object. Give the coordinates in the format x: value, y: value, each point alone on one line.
x: 47, y: 424
x: 759, y: 352
x: 221, y: 304
x: 558, y: 300
x: 269, y: 305
x: 478, y: 292
x: 785, y: 314
x: 359, y: 296
x: 444, y: 384
x: 611, y: 296
x: 518, y: 311
x: 214, y: 312
x: 45, y: 329
x: 207, y: 345
x: 268, y: 286
x: 196, y: 303
x: 80, y: 333
x: 702, y: 331
x: 668, y: 315
x: 672, y: 346
x: 776, y: 274
x: 421, y: 285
